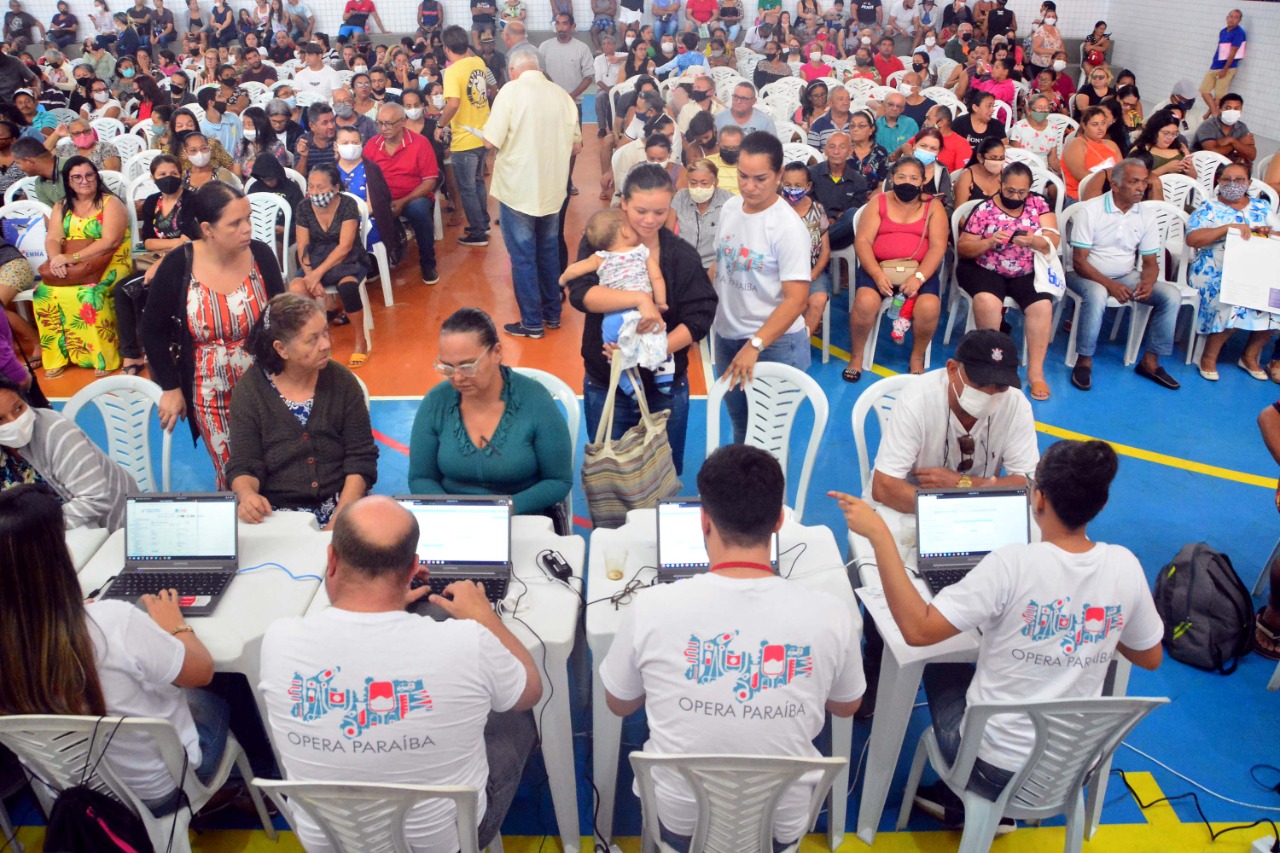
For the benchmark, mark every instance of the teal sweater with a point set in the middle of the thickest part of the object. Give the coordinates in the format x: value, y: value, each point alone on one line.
x: 530, y: 455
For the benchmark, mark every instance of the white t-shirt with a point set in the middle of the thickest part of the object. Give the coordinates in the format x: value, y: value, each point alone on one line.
x: 386, y: 697
x: 728, y: 665
x: 903, y: 17
x: 1050, y: 624
x: 923, y: 432
x: 322, y: 82
x: 137, y: 662
x: 755, y: 253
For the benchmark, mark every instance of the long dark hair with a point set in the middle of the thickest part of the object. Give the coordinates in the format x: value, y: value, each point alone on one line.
x: 1151, y: 129
x: 46, y: 652
x: 75, y: 162
x: 209, y: 202
x: 148, y: 90
x: 266, y: 133
x: 644, y: 177
x: 177, y: 139
x: 806, y: 98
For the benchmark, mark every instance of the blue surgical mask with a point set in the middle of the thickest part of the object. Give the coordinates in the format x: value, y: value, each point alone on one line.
x: 423, y: 83
x: 925, y: 156
x: 126, y: 73
x: 292, y: 102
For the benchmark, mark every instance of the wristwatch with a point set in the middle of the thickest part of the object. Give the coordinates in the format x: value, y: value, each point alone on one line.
x: 757, y: 342
x: 920, y: 276
x: 964, y: 482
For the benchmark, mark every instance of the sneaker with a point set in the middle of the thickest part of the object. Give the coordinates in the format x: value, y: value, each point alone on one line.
x: 551, y: 324
x: 940, y: 803
x: 473, y: 240
x: 430, y: 276
x: 518, y: 330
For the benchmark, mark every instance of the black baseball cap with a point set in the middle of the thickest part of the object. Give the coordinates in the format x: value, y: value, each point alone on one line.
x: 989, y: 358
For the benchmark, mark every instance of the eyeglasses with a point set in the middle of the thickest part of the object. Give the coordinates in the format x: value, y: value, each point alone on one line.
x: 467, y: 368
x: 1244, y: 181
x: 83, y: 179
x: 1014, y: 193
x: 967, y: 447
x: 747, y: 98
x: 390, y: 123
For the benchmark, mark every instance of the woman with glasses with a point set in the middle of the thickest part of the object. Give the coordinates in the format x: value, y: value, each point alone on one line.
x: 1159, y: 139
x: 866, y: 155
x: 198, y: 151
x: 488, y: 429
x: 77, y: 319
x: 101, y: 103
x: 362, y: 89
x: 1097, y: 88
x: 981, y: 177
x: 996, y: 263
x: 300, y: 434
x: 103, y: 155
x: 1232, y: 210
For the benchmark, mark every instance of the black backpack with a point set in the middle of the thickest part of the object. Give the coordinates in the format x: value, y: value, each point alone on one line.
x: 1207, y: 612
x: 87, y: 821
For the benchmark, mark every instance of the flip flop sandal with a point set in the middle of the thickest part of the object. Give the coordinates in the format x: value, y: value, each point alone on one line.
x: 1040, y: 391
x: 54, y: 373
x: 338, y: 318
x: 1265, y: 640
x: 357, y: 360
x: 133, y: 369
x: 850, y: 375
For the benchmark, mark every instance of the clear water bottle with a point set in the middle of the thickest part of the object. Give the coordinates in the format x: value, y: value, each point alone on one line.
x: 895, y: 307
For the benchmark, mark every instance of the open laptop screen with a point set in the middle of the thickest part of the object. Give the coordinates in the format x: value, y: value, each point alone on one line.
x: 680, y: 543
x: 461, y: 532
x: 180, y: 528
x: 955, y: 523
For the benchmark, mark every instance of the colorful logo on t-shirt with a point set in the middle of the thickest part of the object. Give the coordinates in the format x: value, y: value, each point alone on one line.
x: 383, y: 701
x: 775, y: 665
x: 738, y: 262
x: 1092, y: 624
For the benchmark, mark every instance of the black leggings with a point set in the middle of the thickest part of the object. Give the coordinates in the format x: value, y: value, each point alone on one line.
x: 346, y: 278
x: 128, y: 317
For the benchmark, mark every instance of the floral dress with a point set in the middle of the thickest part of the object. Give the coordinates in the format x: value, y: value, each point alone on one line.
x: 77, y: 323
x: 219, y: 326
x: 1206, y: 269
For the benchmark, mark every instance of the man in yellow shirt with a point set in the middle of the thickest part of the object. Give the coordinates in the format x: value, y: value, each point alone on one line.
x: 466, y: 110
x: 726, y: 159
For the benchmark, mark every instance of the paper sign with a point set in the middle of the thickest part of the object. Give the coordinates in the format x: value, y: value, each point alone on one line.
x: 1249, y: 273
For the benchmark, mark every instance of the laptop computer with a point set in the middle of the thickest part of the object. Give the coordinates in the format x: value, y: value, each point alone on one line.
x: 182, y: 541
x: 682, y: 553
x: 464, y: 538
x: 958, y: 527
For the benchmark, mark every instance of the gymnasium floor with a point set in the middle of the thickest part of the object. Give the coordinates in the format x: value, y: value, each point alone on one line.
x: 1193, y: 468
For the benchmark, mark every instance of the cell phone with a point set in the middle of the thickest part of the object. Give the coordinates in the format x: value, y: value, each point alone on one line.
x: 1021, y: 232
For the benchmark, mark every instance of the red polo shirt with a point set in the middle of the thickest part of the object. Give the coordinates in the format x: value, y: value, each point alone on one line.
x: 411, y: 164
x: 886, y: 66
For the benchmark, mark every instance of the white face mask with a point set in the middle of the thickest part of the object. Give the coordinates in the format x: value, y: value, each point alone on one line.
x: 437, y: 101
x: 350, y: 150
x: 668, y: 47
x: 701, y: 195
x: 250, y: 134
x: 815, y: 55
x: 1059, y: 65
x: 1230, y: 117
x: 360, y: 69
x: 413, y: 113
x: 630, y: 40
x: 866, y: 40
x: 17, y: 433
x: 906, y: 89
x: 930, y: 41
x: 102, y: 97
x: 977, y: 404
x: 199, y: 159
x: 1051, y: 21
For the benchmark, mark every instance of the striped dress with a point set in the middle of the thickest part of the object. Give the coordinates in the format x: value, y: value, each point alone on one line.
x: 219, y: 326
x: 93, y: 488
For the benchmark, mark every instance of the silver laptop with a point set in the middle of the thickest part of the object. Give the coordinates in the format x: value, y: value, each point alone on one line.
x: 682, y: 553
x: 182, y: 541
x: 464, y: 538
x: 958, y: 527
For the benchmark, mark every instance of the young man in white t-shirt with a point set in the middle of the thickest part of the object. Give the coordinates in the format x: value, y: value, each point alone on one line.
x: 737, y: 660
x: 316, y: 77
x: 761, y: 275
x: 1051, y: 615
x: 366, y: 692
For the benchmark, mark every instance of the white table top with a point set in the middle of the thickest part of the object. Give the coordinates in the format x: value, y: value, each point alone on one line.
x: 233, y: 633
x: 83, y: 543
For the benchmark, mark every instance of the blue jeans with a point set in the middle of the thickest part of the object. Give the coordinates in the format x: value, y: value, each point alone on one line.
x: 945, y: 685
x: 346, y: 31
x: 791, y: 349
x: 669, y: 28
x: 533, y: 242
x: 421, y: 215
x: 468, y: 168
x: 626, y: 412
x: 212, y: 717
x: 1164, y: 299
x: 509, y: 740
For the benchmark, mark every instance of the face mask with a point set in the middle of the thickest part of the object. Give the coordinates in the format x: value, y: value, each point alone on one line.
x: 360, y: 69
x: 906, y: 90
x: 1059, y: 65
x: 975, y: 402
x: 169, y: 184
x: 793, y: 195
x: 930, y: 41
x: 350, y: 150
x: 17, y: 433
x: 1012, y: 204
x: 126, y: 73
x: 1051, y: 21
x: 291, y: 101
x: 1037, y: 115
x: 906, y: 192
x: 1233, y: 192
x: 701, y: 195
x: 700, y: 96
x: 424, y: 82
x: 668, y: 48
x: 772, y: 57
x: 343, y: 110
x: 729, y: 155
x: 437, y: 101
x: 158, y: 129
x: 103, y: 97
x: 322, y: 199
x: 925, y: 156
x: 965, y: 37
x: 862, y: 60
x: 917, y: 67
x: 815, y: 55
x: 199, y: 159
x: 717, y: 53
x: 630, y: 40
x: 1230, y: 117
x: 866, y: 40
x: 250, y: 134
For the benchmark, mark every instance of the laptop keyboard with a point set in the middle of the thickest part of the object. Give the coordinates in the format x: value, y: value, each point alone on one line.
x: 939, y: 579
x: 495, y: 589
x: 130, y: 586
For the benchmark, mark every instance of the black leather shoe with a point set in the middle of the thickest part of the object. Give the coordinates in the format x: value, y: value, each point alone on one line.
x: 1160, y: 376
x: 1082, y: 376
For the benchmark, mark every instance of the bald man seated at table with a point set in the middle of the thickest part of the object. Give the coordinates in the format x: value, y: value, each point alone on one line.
x: 364, y: 691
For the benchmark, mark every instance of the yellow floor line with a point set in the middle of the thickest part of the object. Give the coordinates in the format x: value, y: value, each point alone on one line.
x: 1122, y: 449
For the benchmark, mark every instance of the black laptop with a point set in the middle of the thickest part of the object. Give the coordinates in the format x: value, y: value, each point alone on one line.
x: 682, y: 553
x: 464, y: 538
x: 958, y: 527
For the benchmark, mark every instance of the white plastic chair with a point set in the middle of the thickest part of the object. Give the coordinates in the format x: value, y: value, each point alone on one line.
x: 24, y: 186
x: 35, y: 255
x: 563, y: 394
x: 379, y: 251
x: 114, y: 182
x: 774, y: 396
x: 139, y: 188
x: 805, y: 153
x: 1207, y: 163
x: 880, y: 398
x: 1074, y: 737
x: 108, y: 128
x: 1022, y: 155
x: 959, y: 294
x: 860, y: 87
x: 254, y: 89
x: 1007, y: 118
x: 127, y: 146
x: 369, y: 817
x: 1067, y: 123
x: 1088, y: 181
x: 1041, y: 180
x: 849, y: 256
x: 788, y: 88
x: 736, y: 795
x: 1181, y: 191
x: 297, y: 177
x: 790, y: 134
x: 57, y: 748
x: 126, y: 404
x: 1259, y: 189
x: 196, y: 110
x: 138, y: 165
x: 264, y: 211
x: 747, y: 62
x: 1260, y: 166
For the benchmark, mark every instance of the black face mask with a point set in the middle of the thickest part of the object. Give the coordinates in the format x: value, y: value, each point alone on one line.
x: 229, y: 81
x: 700, y: 96
x: 906, y: 192
x: 729, y: 155
x: 919, y: 69
x: 965, y: 37
x: 772, y: 57
x: 169, y: 184
x: 1012, y: 204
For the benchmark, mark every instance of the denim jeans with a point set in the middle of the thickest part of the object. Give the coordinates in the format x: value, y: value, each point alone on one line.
x: 1164, y: 299
x: 945, y: 685
x: 841, y: 232
x: 421, y: 215
x: 669, y: 28
x: 791, y: 349
x: 533, y: 242
x: 509, y: 740
x: 468, y: 168
x: 212, y: 717
x: 626, y: 412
